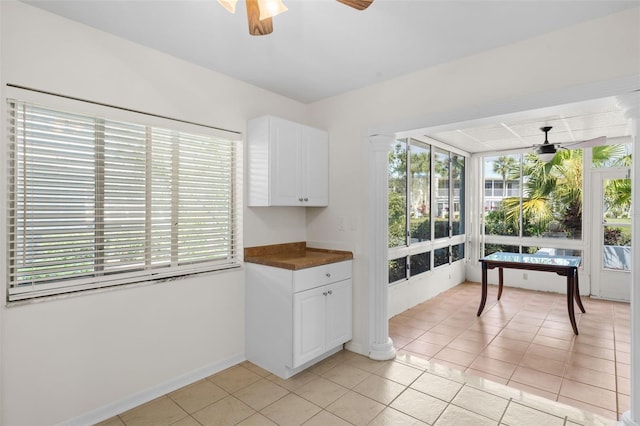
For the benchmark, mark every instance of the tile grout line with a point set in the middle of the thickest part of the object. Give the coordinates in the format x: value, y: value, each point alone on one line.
x: 504, y: 413
x: 421, y: 369
x: 558, y: 302
x: 615, y: 361
x: 565, y: 368
x: 503, y: 328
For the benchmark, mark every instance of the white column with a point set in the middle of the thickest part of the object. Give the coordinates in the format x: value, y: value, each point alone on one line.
x: 381, y: 345
x: 632, y: 416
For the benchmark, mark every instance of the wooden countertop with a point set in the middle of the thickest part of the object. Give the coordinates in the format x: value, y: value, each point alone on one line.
x: 294, y: 256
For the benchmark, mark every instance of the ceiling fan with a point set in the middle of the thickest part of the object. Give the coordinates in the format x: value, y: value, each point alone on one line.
x: 546, y: 151
x: 260, y: 12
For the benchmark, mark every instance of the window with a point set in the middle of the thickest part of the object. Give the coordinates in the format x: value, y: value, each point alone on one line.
x: 420, y: 263
x: 398, y: 195
x: 457, y: 174
x: 549, y: 202
x: 398, y: 269
x: 420, y: 214
x: 95, y: 202
x: 494, y: 248
x: 457, y: 252
x: 615, y: 155
x: 441, y: 256
x: 441, y: 179
x: 543, y: 200
x: 501, y: 205
x: 420, y: 177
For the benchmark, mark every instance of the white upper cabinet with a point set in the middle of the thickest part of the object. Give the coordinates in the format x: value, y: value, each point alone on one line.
x: 288, y: 163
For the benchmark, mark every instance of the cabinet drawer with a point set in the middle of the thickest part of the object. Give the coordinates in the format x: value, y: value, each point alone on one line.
x: 306, y: 279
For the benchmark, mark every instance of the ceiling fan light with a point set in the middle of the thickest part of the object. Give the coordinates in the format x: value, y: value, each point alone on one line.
x: 271, y: 8
x: 230, y: 5
x: 545, y: 158
x: 546, y: 152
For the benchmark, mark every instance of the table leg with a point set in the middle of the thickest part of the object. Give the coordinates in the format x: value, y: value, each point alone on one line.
x: 483, y: 298
x: 577, y: 294
x: 571, y: 284
x: 500, y: 279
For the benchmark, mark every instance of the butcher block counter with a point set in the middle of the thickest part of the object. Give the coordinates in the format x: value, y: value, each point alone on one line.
x: 294, y: 256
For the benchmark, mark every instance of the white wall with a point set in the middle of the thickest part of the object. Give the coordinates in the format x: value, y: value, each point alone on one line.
x: 569, y: 65
x: 407, y: 294
x: 63, y: 359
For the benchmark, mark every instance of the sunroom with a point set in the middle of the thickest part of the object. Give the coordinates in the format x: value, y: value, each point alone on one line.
x: 462, y: 192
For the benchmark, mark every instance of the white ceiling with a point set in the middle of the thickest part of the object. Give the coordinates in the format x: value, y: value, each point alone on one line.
x: 571, y: 124
x: 322, y: 48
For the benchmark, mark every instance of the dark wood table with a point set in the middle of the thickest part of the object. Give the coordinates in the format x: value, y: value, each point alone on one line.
x: 566, y: 266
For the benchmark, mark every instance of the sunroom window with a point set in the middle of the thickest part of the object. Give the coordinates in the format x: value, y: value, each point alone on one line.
x: 426, y: 208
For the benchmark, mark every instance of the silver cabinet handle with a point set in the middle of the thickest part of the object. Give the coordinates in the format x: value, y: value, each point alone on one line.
x: 324, y: 293
x: 306, y: 199
x: 330, y: 292
x: 328, y: 275
x: 300, y: 199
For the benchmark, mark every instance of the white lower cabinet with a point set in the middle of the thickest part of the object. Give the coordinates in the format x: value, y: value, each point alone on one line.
x: 296, y: 318
x: 321, y: 320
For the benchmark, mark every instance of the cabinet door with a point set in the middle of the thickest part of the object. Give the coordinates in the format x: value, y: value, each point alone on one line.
x: 285, y: 151
x: 308, y: 324
x: 315, y: 167
x: 338, y: 313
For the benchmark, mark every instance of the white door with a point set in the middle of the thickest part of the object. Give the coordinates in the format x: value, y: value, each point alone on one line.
x: 314, y: 164
x: 309, y: 313
x: 285, y: 138
x: 339, y: 314
x: 611, y: 238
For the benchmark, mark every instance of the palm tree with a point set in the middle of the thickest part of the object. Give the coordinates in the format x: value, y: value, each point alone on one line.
x: 617, y: 193
x: 536, y: 202
x: 553, y: 190
x: 548, y: 187
x: 504, y: 166
x: 568, y: 192
x: 611, y: 155
x: 617, y: 196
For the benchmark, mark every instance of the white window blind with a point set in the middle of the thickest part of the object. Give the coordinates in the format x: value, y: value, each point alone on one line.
x: 95, y: 202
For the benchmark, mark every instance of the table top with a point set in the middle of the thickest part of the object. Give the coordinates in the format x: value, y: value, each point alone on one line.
x: 534, y: 259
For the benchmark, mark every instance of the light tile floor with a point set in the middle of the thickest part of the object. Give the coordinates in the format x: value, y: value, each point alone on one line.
x: 525, y: 341
x: 439, y: 377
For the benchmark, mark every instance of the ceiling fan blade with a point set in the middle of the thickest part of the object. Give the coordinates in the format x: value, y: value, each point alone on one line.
x: 357, y: 4
x: 256, y: 26
x: 601, y: 140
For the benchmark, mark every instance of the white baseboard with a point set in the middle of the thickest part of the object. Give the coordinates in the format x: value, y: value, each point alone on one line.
x: 356, y: 347
x: 626, y: 419
x: 147, y: 395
